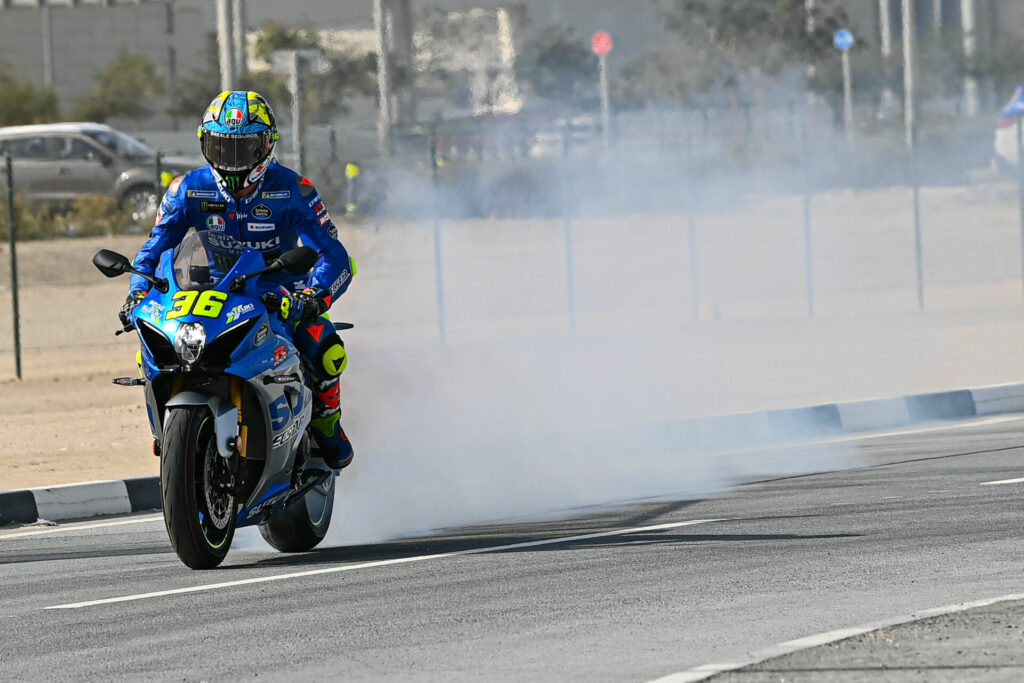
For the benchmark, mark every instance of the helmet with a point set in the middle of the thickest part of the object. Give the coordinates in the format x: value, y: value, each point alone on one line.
x: 237, y: 136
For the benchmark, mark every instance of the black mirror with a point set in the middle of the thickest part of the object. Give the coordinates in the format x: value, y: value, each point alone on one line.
x: 299, y: 260
x: 110, y: 263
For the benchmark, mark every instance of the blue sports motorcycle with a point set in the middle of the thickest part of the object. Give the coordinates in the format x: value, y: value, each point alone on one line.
x: 227, y: 399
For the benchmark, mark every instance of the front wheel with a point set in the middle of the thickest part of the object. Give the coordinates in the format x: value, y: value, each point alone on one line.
x: 302, y: 526
x: 196, y: 488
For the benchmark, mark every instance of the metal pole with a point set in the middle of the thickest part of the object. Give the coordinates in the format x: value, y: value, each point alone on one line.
x: 383, y: 78
x: 159, y: 176
x: 239, y: 57
x: 847, y: 97
x: 968, y: 22
x: 570, y: 283
x: 910, y: 132
x: 11, y: 227
x: 885, y: 29
x: 1020, y: 184
x: 438, y: 270
x: 606, y: 115
x: 295, y: 85
x: 691, y: 229
x: 805, y: 163
x: 227, y: 74
x: 47, y: 36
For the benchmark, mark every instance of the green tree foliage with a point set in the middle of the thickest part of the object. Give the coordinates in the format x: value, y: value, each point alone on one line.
x: 755, y: 41
x: 278, y: 37
x: 558, y: 65
x: 126, y: 87
x: 666, y: 76
x: 22, y: 102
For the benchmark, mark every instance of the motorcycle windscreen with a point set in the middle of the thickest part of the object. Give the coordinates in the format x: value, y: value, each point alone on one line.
x: 204, y: 258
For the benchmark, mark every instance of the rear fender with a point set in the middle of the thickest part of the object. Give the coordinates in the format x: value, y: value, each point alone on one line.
x: 225, y: 416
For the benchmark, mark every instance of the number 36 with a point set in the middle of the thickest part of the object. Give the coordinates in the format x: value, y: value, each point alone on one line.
x: 205, y: 304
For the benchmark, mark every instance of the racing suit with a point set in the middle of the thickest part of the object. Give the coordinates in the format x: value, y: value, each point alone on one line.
x: 281, y: 208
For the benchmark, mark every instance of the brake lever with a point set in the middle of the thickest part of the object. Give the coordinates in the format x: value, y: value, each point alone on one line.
x: 127, y: 328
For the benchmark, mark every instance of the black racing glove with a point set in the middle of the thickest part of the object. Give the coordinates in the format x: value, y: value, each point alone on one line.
x: 312, y: 303
x: 125, y: 314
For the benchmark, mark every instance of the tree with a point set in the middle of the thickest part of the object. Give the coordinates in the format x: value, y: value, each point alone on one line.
x: 559, y: 65
x: 126, y: 87
x: 22, y: 102
x: 664, y: 77
x: 758, y: 40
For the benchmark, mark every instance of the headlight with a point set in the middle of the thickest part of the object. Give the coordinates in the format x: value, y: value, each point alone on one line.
x: 189, y: 342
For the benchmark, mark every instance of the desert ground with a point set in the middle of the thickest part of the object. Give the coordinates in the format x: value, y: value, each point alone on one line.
x: 513, y: 361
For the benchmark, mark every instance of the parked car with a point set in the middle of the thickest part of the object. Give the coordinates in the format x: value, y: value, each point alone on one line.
x: 57, y: 162
x: 1005, y: 147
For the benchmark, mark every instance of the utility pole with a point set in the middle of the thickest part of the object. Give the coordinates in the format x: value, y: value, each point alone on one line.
x: 937, y: 18
x: 381, y: 24
x: 909, y: 88
x: 46, y: 29
x: 885, y: 28
x: 910, y: 132
x: 227, y: 72
x: 969, y: 23
x: 295, y: 86
x: 238, y: 46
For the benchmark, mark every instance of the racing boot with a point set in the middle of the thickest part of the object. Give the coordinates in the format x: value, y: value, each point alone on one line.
x: 334, y: 446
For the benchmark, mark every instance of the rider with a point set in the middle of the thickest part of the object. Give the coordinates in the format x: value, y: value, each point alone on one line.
x: 246, y: 194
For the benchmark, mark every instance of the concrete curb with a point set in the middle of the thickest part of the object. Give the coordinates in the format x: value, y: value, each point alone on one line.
x: 719, y: 432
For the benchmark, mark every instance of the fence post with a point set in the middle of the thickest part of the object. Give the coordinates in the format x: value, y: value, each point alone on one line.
x: 691, y: 227
x: 438, y: 271
x: 159, y: 176
x: 805, y: 165
x: 1020, y: 186
x: 567, y: 211
x: 11, y: 227
x: 918, y: 247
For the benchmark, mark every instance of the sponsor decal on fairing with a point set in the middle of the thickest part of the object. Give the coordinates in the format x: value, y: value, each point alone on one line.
x: 240, y: 310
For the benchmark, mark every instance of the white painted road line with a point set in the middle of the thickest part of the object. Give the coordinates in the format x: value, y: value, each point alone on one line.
x: 80, y: 527
x: 706, y: 671
x: 382, y: 563
x: 1002, y: 481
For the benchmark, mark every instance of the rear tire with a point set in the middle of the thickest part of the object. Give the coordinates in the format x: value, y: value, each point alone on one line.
x: 302, y: 526
x: 199, y: 509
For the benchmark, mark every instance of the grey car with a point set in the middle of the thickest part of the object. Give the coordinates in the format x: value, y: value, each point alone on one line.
x: 57, y: 162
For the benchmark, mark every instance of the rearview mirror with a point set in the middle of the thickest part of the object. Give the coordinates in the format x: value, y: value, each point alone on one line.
x: 110, y: 263
x: 299, y: 260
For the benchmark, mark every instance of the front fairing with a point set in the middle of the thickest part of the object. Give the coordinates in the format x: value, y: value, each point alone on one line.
x: 259, y: 347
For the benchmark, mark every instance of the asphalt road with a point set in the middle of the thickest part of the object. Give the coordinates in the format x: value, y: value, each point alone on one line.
x: 650, y: 589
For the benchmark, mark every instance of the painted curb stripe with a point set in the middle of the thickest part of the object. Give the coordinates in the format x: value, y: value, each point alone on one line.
x: 746, y: 430
x: 18, y: 507
x: 706, y: 671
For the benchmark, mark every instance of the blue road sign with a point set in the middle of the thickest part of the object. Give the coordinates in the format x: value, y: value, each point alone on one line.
x: 843, y: 39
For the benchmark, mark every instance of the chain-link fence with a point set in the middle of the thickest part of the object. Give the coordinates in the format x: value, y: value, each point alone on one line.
x: 689, y: 217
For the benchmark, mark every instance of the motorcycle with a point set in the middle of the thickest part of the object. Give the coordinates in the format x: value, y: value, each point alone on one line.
x: 227, y: 400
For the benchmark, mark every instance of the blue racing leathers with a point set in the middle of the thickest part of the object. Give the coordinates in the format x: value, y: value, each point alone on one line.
x: 282, y: 208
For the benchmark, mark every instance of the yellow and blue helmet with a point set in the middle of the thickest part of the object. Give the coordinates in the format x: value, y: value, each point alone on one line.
x: 238, y: 135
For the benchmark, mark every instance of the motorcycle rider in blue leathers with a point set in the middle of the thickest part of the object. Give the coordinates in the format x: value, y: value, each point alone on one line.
x: 246, y: 194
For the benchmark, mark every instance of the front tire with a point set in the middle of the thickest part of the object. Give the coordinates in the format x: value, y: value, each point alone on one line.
x: 302, y: 526
x: 196, y: 489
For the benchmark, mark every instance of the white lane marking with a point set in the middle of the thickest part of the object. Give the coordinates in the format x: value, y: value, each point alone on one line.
x: 383, y: 563
x: 79, y: 527
x: 1002, y: 481
x: 700, y: 673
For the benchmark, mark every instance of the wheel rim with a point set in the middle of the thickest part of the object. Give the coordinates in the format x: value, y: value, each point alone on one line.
x: 318, y: 500
x: 217, y: 502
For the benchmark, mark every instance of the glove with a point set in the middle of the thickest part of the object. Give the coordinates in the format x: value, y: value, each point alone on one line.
x: 129, y: 305
x: 312, y: 302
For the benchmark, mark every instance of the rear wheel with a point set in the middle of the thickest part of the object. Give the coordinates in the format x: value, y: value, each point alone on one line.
x: 302, y: 526
x: 196, y: 488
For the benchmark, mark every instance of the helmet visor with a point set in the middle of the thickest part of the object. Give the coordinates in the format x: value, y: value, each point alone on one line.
x: 235, y: 152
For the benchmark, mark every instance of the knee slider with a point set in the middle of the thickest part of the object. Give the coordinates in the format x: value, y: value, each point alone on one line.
x: 333, y: 357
